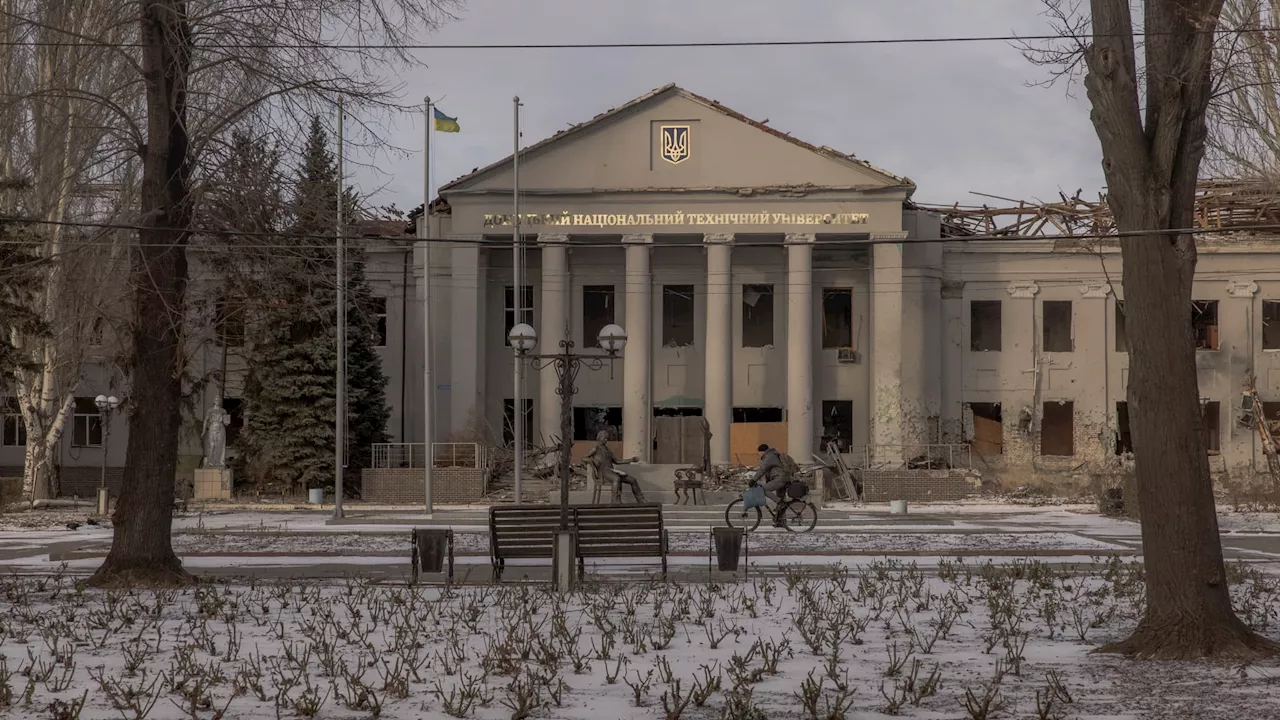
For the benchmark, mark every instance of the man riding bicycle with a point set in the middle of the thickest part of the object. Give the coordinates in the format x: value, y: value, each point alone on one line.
x: 774, y: 474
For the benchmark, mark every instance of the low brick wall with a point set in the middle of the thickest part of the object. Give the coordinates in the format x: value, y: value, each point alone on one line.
x: 404, y: 486
x: 83, y: 482
x: 919, y: 485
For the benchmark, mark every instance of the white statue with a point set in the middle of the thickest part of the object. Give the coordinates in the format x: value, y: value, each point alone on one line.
x: 215, y: 437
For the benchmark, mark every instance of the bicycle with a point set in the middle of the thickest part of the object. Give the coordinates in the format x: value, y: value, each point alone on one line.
x: 794, y: 513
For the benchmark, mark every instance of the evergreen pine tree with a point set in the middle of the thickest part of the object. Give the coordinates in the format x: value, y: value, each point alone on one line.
x: 289, y: 395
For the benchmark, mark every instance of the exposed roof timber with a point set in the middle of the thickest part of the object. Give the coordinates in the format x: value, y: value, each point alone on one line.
x: 1220, y: 204
x: 672, y: 87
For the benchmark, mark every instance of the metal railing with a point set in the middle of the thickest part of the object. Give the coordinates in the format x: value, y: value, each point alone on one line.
x: 413, y: 455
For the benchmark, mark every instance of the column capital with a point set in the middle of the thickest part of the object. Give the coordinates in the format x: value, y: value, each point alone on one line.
x: 1023, y: 289
x: 552, y: 239
x: 798, y: 239
x: 1242, y: 288
x: 1095, y: 288
x: 718, y: 239
x: 638, y: 239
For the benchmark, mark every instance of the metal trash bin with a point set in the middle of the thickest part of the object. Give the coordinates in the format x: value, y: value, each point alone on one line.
x: 431, y: 548
x: 728, y: 543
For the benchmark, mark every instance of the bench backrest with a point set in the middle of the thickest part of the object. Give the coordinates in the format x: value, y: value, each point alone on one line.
x: 523, y: 531
x: 619, y: 530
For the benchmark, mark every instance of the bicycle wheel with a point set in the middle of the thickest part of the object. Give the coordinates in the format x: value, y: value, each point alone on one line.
x: 799, y: 516
x: 736, y: 516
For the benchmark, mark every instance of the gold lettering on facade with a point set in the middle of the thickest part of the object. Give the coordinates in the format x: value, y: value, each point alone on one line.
x: 567, y: 219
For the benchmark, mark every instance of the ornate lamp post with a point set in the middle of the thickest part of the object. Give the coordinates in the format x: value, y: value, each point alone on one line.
x: 106, y: 406
x: 524, y: 339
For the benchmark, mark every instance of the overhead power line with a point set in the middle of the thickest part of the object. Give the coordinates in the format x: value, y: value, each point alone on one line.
x: 532, y: 241
x: 638, y: 45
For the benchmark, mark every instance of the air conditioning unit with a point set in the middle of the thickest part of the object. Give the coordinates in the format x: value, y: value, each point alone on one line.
x: 848, y: 356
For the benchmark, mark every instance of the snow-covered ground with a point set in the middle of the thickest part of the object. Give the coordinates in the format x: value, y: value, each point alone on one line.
x: 210, y: 543
x: 822, y: 642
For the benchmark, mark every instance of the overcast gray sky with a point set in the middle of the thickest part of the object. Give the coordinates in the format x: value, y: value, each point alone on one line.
x: 955, y: 117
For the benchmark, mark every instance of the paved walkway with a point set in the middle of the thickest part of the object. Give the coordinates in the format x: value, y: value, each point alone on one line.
x: 82, y: 549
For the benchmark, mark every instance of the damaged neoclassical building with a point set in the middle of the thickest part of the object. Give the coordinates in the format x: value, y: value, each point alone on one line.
x: 788, y: 294
x: 795, y: 295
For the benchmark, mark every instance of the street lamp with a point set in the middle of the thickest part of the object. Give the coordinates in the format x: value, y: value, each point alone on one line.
x: 106, y: 406
x: 524, y: 339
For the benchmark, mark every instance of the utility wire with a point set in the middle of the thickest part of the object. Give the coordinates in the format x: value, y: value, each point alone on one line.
x: 643, y: 45
x: 531, y: 241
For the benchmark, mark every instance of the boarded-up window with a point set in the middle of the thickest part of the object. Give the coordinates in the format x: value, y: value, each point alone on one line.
x: 757, y: 316
x: 1122, y: 335
x: 677, y: 315
x: 1212, y: 428
x: 598, y: 310
x: 837, y: 423
x: 1124, y: 438
x: 837, y: 318
x: 1204, y: 319
x: 988, y: 429
x: 508, y: 422
x: 1056, y: 320
x: 985, y: 325
x: 1271, y: 324
x: 1057, y: 429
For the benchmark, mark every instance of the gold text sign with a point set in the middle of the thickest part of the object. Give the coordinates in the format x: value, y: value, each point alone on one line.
x: 567, y: 219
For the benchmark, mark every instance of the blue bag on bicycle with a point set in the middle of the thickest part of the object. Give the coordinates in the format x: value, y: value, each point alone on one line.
x: 753, y: 497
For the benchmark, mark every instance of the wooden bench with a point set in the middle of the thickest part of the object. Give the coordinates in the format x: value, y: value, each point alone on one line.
x: 521, y: 532
x: 620, y: 531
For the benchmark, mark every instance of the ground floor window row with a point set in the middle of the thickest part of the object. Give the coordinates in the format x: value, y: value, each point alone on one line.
x: 85, y: 426
x: 590, y: 421
x: 1056, y: 325
x: 1058, y: 428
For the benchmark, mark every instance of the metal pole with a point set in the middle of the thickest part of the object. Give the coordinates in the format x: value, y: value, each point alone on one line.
x: 106, y: 437
x: 340, y: 396
x: 428, y: 388
x: 517, y: 412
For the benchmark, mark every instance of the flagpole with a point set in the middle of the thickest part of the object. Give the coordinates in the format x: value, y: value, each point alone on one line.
x: 428, y: 388
x: 340, y: 395
x: 517, y: 412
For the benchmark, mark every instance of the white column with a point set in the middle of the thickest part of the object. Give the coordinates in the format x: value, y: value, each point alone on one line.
x: 718, y: 350
x: 553, y: 327
x: 637, y: 406
x: 800, y: 347
x: 467, y: 337
x: 887, y: 417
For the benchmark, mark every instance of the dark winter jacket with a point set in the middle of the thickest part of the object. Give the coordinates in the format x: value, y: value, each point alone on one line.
x: 770, y: 467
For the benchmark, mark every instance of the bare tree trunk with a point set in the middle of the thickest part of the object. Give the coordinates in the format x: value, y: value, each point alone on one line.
x: 1151, y: 165
x: 142, y: 550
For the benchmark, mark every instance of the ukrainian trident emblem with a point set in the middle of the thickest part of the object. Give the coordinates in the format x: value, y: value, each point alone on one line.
x: 675, y: 143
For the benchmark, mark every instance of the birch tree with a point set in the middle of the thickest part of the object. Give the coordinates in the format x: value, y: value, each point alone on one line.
x: 62, y: 148
x: 1150, y: 91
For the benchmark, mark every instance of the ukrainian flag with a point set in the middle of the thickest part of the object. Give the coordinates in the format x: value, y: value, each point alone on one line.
x: 444, y: 123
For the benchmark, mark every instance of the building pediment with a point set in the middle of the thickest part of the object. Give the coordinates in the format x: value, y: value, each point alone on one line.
x: 672, y: 140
